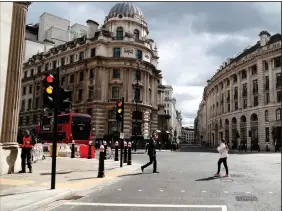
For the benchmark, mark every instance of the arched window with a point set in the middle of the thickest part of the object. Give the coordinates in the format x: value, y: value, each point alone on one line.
x: 266, y: 116
x: 278, y: 114
x: 119, y: 33
x: 136, y: 34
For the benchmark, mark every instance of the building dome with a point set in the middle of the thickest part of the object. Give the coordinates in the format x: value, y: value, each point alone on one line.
x: 125, y: 9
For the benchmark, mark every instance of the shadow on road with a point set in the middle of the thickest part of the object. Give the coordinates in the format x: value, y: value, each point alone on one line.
x: 207, y: 179
x: 140, y: 173
x: 12, y: 194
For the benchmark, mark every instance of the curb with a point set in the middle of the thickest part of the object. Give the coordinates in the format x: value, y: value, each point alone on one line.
x: 37, y: 205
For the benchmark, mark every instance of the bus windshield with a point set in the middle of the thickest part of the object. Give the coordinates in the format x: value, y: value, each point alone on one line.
x: 81, y: 127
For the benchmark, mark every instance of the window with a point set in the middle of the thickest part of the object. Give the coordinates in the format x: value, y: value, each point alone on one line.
x: 39, y: 69
x: 112, y: 114
x: 116, y: 73
x: 266, y: 118
x: 277, y: 62
x: 23, y: 105
x: 278, y: 114
x: 227, y: 82
x: 244, y: 74
x: 46, y: 67
x: 119, y: 33
x: 71, y: 59
x: 116, y: 52
x: 31, y: 72
x: 27, y: 120
x: 30, y: 89
x: 81, y: 55
x: 138, y: 75
x: 115, y: 92
x: 137, y: 128
x: 36, y: 102
x: 267, y: 134
x: 278, y: 80
x: 91, y: 74
x: 93, y: 52
x: 228, y: 96
x: 254, y: 69
x: 236, y: 93
x: 38, y: 87
x: 34, y: 119
x: 266, y: 83
x: 245, y: 103
x: 265, y: 65
x: 81, y: 76
x: 136, y: 34
x: 21, y: 121
x: 29, y: 104
x: 113, y: 126
x: 279, y: 96
x: 136, y: 94
x: 236, y: 105
x: 25, y: 74
x: 91, y: 92
x: 71, y: 78
x: 54, y: 64
x: 235, y: 79
x: 63, y: 79
x: 255, y: 101
x: 245, y: 92
x: 62, y: 61
x: 228, y: 107
x: 255, y: 86
x: 266, y: 98
x: 24, y: 90
x: 80, y: 91
x: 138, y: 54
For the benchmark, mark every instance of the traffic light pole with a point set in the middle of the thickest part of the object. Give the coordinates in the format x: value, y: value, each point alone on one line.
x: 121, y: 130
x: 54, y: 150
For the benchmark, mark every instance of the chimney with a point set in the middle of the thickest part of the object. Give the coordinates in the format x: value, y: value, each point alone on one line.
x: 92, y: 27
x: 264, y: 38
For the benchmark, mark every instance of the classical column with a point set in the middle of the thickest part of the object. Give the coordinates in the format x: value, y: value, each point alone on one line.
x: 249, y: 87
x: 239, y: 91
x: 14, y: 73
x: 271, y: 82
x: 260, y: 81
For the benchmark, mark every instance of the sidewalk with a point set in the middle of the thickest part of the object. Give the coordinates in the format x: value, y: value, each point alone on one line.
x: 75, y: 177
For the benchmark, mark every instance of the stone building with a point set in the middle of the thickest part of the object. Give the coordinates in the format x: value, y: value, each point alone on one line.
x: 242, y: 101
x: 187, y: 135
x: 100, y: 68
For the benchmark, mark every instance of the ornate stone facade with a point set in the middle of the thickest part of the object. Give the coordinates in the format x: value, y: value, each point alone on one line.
x: 242, y: 101
x: 100, y: 68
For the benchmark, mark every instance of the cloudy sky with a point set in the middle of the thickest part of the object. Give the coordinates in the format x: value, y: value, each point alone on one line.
x: 194, y: 38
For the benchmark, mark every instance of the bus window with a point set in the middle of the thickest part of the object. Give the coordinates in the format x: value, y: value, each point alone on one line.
x: 81, y: 127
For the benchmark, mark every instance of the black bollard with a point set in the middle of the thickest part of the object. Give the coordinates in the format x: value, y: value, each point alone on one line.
x: 101, y: 168
x: 116, y: 151
x: 105, y: 147
x: 89, y: 150
x: 125, y: 152
x: 129, y: 153
x: 72, y: 149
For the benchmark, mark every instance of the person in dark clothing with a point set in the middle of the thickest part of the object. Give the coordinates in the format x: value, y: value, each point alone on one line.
x: 152, y: 152
x: 26, y: 145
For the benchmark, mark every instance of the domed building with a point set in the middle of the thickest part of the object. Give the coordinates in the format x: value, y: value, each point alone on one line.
x: 242, y: 101
x: 101, y: 67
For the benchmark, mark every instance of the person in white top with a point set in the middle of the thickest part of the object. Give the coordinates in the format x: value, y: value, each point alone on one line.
x: 223, y: 151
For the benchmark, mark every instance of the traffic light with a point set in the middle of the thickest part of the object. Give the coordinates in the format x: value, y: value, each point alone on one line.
x: 49, y: 85
x: 65, y: 100
x: 119, y: 111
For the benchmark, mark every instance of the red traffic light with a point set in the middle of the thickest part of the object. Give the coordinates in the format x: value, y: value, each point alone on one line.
x: 119, y: 104
x: 50, y: 79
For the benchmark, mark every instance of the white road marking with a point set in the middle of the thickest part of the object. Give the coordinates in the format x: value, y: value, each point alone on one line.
x: 139, y: 190
x: 119, y: 189
x: 248, y: 192
x: 225, y: 191
x: 270, y: 192
x: 182, y: 191
x: 203, y: 191
x: 161, y: 190
x: 223, y: 207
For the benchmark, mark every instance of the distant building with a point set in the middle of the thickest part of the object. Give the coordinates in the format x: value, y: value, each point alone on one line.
x: 187, y: 135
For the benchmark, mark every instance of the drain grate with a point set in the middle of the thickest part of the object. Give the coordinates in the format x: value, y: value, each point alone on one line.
x: 246, y: 198
x: 73, y: 198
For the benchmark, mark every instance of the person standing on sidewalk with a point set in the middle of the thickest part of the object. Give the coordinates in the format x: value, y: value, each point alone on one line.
x: 27, y: 144
x: 152, y: 152
x: 223, y: 151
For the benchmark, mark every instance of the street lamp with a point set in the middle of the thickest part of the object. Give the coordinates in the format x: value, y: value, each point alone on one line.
x: 136, y: 104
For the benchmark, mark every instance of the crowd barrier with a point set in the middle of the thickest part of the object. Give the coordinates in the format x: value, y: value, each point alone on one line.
x: 37, y: 152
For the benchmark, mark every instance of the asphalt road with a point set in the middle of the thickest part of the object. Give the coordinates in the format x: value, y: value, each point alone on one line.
x: 186, y: 182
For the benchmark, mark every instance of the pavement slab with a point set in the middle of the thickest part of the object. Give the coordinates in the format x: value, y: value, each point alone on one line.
x: 187, y: 179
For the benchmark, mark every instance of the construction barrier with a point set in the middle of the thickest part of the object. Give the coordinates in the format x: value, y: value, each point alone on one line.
x: 83, y: 150
x: 63, y: 150
x: 37, y: 152
x: 51, y: 150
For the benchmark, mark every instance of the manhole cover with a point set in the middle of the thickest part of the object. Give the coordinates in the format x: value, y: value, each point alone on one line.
x: 246, y: 198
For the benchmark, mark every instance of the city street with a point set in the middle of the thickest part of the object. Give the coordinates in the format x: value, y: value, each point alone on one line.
x: 186, y: 182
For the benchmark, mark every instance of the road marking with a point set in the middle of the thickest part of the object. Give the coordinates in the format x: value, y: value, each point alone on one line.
x: 182, y: 191
x: 139, y: 190
x: 223, y: 207
x: 203, y: 191
x: 270, y: 192
x: 248, y: 192
x: 225, y: 191
x: 161, y: 190
x: 119, y: 189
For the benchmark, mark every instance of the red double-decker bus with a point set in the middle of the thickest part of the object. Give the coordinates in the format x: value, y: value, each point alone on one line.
x: 71, y: 126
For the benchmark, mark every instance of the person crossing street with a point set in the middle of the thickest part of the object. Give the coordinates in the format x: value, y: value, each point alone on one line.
x: 223, y: 151
x: 27, y: 144
x: 152, y: 152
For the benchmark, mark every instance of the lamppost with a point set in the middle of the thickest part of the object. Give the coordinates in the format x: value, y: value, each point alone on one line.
x: 136, y: 99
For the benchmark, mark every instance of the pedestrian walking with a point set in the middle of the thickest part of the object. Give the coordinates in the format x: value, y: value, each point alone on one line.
x: 223, y: 151
x: 152, y: 152
x: 26, y: 145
